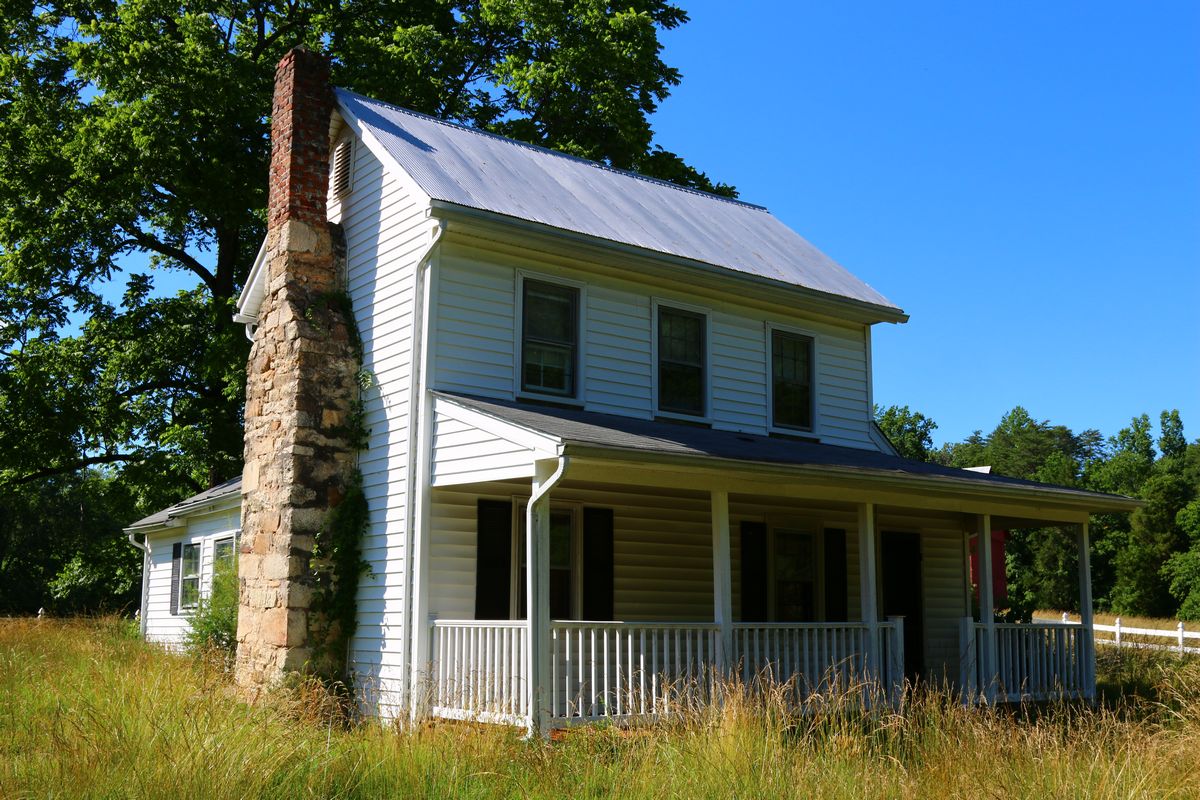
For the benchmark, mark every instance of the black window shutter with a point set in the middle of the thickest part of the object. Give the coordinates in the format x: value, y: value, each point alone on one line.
x: 835, y: 575
x: 493, y: 559
x: 754, y: 571
x: 597, y: 563
x: 176, y: 568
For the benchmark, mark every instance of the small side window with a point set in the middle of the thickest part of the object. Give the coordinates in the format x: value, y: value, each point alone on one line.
x: 189, y: 577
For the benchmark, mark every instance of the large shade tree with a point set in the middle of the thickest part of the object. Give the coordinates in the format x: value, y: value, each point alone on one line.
x: 134, y: 143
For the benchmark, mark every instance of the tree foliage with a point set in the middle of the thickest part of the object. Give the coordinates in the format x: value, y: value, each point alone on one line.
x: 134, y: 144
x: 910, y: 432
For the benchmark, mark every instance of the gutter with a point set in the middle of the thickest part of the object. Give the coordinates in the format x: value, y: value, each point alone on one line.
x: 844, y: 307
x: 144, y: 599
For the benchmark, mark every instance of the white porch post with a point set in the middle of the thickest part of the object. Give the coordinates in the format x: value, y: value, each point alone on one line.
x: 987, y: 610
x: 1085, y: 612
x: 722, y: 580
x: 868, y: 594
x: 537, y: 590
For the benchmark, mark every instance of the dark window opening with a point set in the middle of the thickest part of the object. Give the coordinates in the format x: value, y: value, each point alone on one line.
x: 681, y: 361
x: 791, y: 381
x: 549, y: 338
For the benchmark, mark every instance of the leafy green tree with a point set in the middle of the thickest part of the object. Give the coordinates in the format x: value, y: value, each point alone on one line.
x: 135, y: 132
x: 1154, y: 537
x: 910, y: 432
x: 214, y: 622
x: 1183, y: 569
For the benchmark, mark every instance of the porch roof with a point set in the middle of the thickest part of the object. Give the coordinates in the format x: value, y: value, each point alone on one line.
x: 225, y: 494
x: 587, y: 433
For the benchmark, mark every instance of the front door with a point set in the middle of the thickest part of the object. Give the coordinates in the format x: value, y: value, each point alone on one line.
x: 900, y: 568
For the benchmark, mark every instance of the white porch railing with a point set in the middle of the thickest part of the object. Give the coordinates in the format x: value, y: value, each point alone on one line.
x: 630, y: 670
x: 1041, y: 661
x: 478, y: 670
x: 821, y: 657
x: 609, y: 670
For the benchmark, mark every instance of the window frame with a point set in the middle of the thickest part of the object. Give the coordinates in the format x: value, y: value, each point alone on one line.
x: 184, y: 577
x: 814, y: 404
x: 517, y: 586
x: 576, y: 398
x: 706, y: 394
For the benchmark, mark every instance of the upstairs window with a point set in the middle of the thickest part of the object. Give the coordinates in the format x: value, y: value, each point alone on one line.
x: 791, y: 381
x: 189, y: 576
x: 549, y: 338
x: 681, y: 361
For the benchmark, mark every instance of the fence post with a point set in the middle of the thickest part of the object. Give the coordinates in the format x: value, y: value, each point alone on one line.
x: 1179, y: 628
x: 1066, y: 617
x: 1117, y: 633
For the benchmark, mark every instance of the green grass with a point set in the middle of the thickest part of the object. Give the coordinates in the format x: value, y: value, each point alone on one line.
x: 86, y: 710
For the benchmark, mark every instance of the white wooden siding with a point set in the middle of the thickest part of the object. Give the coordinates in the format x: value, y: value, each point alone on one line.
x: 386, y: 232
x: 476, y: 345
x: 162, y: 626
x: 462, y: 453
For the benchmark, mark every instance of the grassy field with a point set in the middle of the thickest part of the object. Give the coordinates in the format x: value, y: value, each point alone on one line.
x: 86, y: 710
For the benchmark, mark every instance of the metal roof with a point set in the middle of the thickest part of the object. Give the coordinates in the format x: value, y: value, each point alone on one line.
x: 471, y: 168
x: 609, y: 431
x: 208, y: 497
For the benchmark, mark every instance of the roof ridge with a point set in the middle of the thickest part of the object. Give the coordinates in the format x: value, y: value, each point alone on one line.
x: 558, y: 153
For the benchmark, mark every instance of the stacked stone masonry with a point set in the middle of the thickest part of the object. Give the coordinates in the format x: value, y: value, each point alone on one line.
x: 300, y: 393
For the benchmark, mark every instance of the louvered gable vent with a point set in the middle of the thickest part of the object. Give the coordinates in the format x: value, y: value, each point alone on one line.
x: 340, y: 168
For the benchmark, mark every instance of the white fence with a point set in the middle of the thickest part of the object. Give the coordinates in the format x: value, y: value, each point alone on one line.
x: 1179, y: 636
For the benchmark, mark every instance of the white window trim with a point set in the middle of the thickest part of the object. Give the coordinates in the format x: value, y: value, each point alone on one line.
x: 655, y: 412
x: 580, y: 342
x: 814, y: 337
x: 198, y: 575
x: 519, y: 504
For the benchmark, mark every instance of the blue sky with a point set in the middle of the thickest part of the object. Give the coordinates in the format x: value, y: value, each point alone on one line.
x: 1022, y: 178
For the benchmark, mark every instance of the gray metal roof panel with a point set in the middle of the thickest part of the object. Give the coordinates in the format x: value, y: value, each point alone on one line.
x: 216, y: 493
x: 628, y: 433
x: 475, y: 169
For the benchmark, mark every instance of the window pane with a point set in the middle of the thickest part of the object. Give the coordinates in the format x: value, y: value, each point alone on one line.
x: 681, y: 380
x: 791, y: 379
x: 548, y: 338
x: 223, y: 550
x: 189, y: 592
x: 191, y: 559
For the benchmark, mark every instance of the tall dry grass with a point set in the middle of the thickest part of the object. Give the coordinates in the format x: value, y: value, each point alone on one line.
x: 87, y: 710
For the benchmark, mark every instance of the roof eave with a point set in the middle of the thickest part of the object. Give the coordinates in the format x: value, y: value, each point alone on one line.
x: 1091, y: 502
x: 835, y: 305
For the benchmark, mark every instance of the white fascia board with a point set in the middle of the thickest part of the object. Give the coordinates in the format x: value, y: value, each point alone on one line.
x: 250, y: 300
x: 542, y: 444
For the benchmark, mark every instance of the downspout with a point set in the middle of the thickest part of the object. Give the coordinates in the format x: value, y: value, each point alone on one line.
x: 419, y: 442
x: 537, y: 656
x: 145, y: 548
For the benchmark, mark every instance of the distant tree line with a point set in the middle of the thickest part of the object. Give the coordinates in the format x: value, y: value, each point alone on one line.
x: 1145, y: 563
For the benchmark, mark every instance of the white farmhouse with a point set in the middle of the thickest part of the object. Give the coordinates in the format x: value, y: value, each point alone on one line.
x: 658, y: 399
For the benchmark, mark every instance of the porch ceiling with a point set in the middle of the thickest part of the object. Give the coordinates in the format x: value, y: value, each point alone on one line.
x: 667, y: 454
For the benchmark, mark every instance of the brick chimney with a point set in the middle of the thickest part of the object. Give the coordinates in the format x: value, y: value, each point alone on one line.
x: 300, y: 392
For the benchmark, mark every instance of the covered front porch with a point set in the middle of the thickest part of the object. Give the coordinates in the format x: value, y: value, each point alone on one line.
x: 661, y: 579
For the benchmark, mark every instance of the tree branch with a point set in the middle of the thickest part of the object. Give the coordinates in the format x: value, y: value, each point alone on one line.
x: 62, y: 469
x: 145, y: 240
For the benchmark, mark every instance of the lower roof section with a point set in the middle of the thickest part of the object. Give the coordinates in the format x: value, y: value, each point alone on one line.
x: 541, y: 431
x: 225, y: 495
